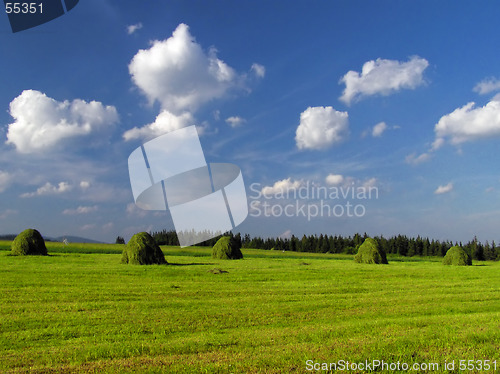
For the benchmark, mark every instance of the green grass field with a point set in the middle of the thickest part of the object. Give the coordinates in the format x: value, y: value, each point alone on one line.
x: 80, y: 311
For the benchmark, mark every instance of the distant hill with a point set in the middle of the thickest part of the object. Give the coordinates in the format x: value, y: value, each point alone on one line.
x: 70, y: 238
x: 75, y: 239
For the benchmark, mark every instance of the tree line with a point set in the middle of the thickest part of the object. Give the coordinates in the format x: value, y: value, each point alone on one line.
x: 400, y: 244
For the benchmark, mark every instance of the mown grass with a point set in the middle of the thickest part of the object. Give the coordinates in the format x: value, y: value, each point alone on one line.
x: 80, y: 311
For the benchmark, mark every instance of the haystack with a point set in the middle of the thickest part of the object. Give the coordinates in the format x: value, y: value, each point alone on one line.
x: 29, y: 242
x: 226, y: 248
x: 142, y: 250
x: 370, y: 253
x: 457, y: 256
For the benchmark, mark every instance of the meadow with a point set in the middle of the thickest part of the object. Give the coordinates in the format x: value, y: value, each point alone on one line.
x: 79, y: 310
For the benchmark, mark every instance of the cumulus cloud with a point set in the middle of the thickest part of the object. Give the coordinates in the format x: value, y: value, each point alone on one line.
x: 281, y: 187
x: 487, y: 85
x: 334, y: 179
x: 383, y: 77
x: 344, y: 181
x: 413, y: 159
x: 180, y: 75
x: 42, y: 122
x: 379, y: 129
x: 321, y: 127
x: 81, y: 210
x: 84, y: 185
x: 235, y: 121
x: 258, y: 70
x: 164, y: 122
x: 50, y: 189
x: 469, y: 123
x: 133, y: 28
x: 5, y: 179
x: 444, y: 189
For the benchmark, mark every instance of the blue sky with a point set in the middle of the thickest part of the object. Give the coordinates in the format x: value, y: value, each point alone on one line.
x: 398, y: 96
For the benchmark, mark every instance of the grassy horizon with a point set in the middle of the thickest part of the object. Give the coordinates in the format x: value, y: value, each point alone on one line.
x: 80, y: 311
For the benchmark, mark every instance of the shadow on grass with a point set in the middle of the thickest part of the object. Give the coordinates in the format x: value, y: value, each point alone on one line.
x: 191, y: 263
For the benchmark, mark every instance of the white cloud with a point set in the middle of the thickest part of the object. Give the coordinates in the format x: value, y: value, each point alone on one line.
x: 42, y: 122
x: 437, y: 143
x: 216, y: 114
x: 286, y: 235
x: 5, y: 179
x: 321, y: 127
x: 281, y: 187
x: 164, y: 122
x: 334, y: 179
x: 487, y: 85
x: 177, y: 73
x: 108, y: 226
x: 81, y: 210
x: 134, y: 211
x: 133, y: 28
x: 379, y: 129
x: 369, y: 183
x: 344, y: 181
x: 469, y: 123
x: 49, y: 189
x: 413, y: 159
x: 87, y: 227
x: 258, y: 70
x: 7, y: 213
x: 383, y: 77
x: 444, y: 189
x: 84, y: 185
x: 235, y: 121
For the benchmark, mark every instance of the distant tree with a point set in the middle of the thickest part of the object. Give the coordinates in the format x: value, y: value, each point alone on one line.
x: 357, y: 240
x: 119, y: 240
x: 304, y: 245
x: 493, y: 252
x: 479, y: 252
x: 237, y: 240
x: 426, y: 250
x: 246, y: 240
x: 412, y: 248
x: 325, y: 245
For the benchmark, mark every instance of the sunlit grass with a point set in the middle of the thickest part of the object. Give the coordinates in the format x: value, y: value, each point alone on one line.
x: 269, y: 313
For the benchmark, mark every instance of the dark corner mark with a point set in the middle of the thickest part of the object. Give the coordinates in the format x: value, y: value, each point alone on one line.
x: 26, y: 14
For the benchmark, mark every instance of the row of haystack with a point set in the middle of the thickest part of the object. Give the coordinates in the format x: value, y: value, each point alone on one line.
x: 143, y: 250
x: 140, y: 250
x: 370, y: 252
